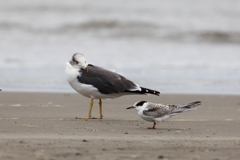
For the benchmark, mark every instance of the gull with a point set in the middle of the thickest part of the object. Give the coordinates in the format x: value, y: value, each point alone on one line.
x: 159, y: 112
x: 98, y: 83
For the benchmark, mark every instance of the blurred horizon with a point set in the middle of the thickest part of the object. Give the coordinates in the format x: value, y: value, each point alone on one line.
x: 170, y: 46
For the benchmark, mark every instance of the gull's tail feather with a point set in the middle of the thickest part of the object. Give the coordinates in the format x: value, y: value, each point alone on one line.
x: 185, y: 107
x: 146, y: 91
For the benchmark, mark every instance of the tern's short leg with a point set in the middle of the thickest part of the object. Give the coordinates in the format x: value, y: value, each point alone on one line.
x: 154, y: 125
x: 100, y: 108
x: 89, y: 113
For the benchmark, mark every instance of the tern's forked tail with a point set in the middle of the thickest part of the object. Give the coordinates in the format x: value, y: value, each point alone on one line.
x: 186, y: 107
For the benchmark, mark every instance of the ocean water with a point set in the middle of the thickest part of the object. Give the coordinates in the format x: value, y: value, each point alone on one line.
x: 171, y: 46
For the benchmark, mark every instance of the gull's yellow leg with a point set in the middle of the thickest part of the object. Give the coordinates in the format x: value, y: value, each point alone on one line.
x: 100, y: 108
x: 89, y: 113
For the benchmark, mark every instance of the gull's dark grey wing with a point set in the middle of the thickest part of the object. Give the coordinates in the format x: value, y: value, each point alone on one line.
x: 105, y: 81
x: 158, y: 110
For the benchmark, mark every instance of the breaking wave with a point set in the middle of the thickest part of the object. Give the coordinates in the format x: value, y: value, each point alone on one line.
x: 126, y: 29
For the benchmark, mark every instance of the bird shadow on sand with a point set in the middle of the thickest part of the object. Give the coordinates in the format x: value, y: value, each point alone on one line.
x: 163, y: 129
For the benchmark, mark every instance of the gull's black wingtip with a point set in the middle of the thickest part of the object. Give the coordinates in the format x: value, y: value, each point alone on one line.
x: 146, y: 91
x: 150, y: 91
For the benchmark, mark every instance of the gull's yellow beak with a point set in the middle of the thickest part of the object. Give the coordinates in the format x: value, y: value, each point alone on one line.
x: 85, y: 68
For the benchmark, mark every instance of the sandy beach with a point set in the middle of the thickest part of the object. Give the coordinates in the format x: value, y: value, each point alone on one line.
x: 43, y: 126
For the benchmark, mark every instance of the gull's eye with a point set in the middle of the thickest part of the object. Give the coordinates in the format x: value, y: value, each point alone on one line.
x: 74, y: 61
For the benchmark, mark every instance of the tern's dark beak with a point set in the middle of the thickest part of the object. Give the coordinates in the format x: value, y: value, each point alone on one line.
x: 130, y: 107
x: 86, y: 69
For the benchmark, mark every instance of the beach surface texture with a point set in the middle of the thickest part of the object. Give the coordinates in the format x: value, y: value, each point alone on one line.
x: 43, y: 126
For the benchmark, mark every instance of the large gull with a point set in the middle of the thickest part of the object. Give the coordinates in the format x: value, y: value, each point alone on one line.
x: 98, y: 83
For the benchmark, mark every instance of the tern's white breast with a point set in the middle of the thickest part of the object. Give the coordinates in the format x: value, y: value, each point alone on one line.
x: 152, y: 118
x: 145, y: 117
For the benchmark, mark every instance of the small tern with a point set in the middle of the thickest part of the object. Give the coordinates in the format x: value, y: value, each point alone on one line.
x: 159, y: 112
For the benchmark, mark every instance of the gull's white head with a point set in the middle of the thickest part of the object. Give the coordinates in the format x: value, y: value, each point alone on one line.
x: 78, y: 60
x: 139, y: 105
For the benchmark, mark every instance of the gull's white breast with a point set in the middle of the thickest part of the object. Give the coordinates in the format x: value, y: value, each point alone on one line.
x: 85, y: 89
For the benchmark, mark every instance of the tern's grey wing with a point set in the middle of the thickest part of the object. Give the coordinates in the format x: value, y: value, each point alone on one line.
x: 158, y: 110
x: 105, y: 81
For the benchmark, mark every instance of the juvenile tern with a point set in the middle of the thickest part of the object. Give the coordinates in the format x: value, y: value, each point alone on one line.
x: 159, y: 112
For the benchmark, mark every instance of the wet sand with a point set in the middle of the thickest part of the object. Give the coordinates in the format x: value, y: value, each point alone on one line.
x: 43, y: 126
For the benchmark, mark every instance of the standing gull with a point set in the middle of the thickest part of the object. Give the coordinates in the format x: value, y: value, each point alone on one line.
x: 98, y: 83
x: 159, y: 112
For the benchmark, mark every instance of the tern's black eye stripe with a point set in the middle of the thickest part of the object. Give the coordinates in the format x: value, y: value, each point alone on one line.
x: 141, y: 103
